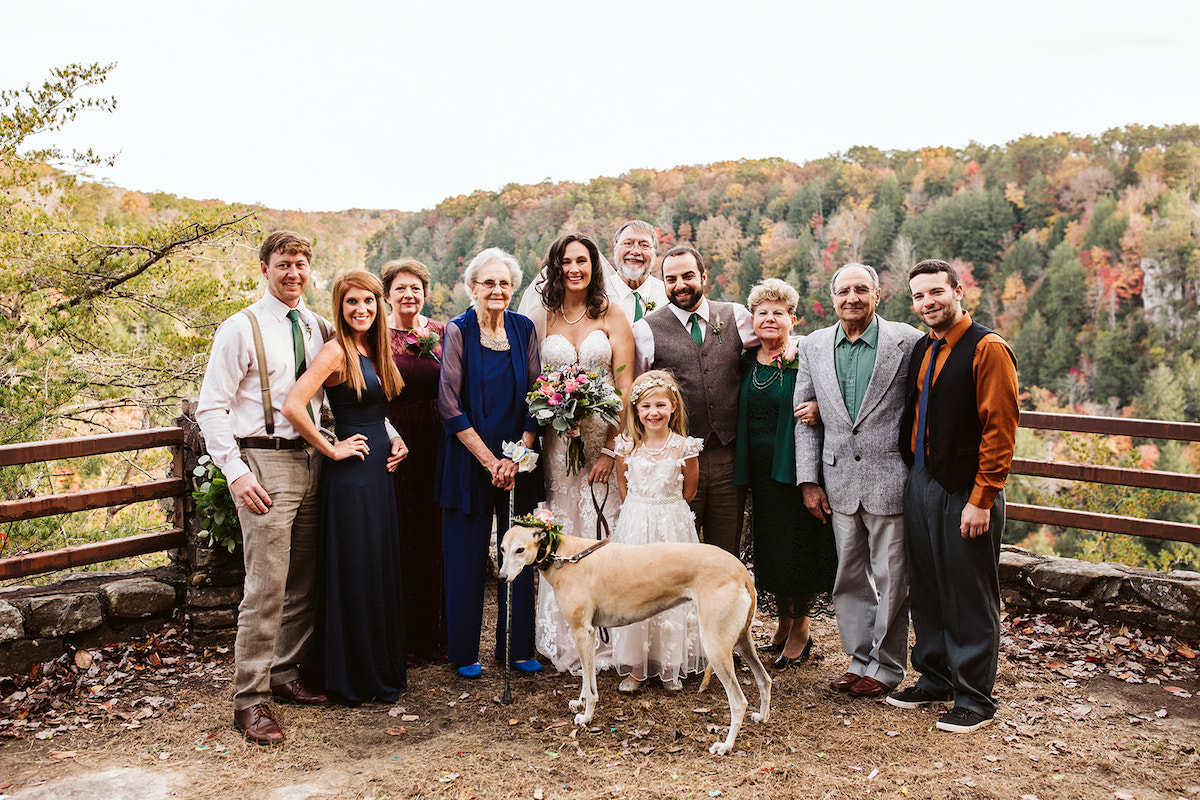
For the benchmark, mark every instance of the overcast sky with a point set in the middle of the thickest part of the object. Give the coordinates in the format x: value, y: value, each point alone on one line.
x: 327, y: 106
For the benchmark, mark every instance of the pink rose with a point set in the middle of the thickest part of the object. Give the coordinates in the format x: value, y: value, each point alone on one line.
x: 545, y: 390
x: 582, y: 380
x: 555, y: 376
x: 570, y: 386
x: 789, y: 352
x: 421, y: 331
x: 543, y: 514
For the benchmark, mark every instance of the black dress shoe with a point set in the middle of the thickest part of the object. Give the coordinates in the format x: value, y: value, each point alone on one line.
x: 783, y: 662
x: 773, y: 648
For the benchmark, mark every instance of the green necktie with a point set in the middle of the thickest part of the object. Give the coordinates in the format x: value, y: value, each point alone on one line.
x: 694, y: 321
x: 298, y: 351
x: 639, y: 308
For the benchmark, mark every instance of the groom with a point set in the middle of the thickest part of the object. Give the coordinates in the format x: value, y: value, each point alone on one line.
x: 701, y: 343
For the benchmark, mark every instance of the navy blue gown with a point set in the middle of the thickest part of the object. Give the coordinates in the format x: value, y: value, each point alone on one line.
x: 357, y: 651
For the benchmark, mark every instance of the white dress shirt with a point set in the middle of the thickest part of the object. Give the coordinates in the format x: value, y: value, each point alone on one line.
x: 230, y: 405
x: 643, y: 338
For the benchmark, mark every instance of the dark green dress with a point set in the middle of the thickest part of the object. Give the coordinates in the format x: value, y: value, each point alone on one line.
x: 795, y: 560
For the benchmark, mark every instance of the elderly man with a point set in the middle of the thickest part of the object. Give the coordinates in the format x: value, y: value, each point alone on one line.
x: 855, y: 369
x: 630, y: 285
x: 272, y: 475
x: 958, y: 433
x: 701, y: 343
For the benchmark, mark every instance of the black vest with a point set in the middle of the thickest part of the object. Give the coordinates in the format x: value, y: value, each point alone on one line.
x: 952, y: 417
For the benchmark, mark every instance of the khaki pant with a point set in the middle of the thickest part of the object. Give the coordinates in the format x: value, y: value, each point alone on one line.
x: 275, y: 619
x: 719, y: 504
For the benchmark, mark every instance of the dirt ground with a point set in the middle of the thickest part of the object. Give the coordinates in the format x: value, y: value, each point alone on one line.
x: 1066, y: 728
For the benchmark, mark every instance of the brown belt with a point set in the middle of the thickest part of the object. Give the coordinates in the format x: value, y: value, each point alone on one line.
x: 272, y: 443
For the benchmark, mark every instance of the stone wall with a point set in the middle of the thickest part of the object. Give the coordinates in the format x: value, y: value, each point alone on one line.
x: 1166, y: 602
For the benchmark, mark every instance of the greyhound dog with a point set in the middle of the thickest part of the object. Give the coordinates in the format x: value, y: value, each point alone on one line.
x: 618, y: 584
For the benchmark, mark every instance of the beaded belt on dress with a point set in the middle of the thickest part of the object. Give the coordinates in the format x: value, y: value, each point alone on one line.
x: 657, y: 500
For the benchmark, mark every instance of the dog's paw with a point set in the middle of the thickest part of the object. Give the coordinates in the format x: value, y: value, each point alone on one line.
x: 720, y: 748
x: 581, y: 720
x: 576, y: 705
x: 757, y: 717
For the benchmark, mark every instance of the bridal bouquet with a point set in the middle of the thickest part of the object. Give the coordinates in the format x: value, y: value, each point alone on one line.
x: 565, y: 397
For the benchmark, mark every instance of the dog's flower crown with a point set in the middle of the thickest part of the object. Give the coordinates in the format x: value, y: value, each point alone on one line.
x: 543, y: 520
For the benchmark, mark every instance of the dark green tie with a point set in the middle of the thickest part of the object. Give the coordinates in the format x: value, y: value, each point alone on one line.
x: 298, y: 351
x: 694, y: 321
x: 639, y: 308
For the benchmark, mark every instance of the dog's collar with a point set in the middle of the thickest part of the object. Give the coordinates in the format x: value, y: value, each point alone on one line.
x: 547, y: 557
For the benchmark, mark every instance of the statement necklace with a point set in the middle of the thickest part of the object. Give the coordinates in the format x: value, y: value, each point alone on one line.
x: 774, y: 375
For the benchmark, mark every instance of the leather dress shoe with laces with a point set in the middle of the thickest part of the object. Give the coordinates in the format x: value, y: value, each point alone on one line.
x: 257, y: 725
x: 868, y: 687
x: 844, y: 683
x: 296, y: 692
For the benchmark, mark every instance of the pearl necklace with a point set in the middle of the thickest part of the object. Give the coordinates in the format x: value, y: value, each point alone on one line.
x: 659, y: 451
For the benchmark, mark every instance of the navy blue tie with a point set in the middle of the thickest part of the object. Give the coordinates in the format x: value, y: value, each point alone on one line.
x: 923, y: 406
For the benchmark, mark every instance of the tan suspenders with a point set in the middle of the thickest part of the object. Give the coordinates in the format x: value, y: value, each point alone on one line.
x: 260, y: 355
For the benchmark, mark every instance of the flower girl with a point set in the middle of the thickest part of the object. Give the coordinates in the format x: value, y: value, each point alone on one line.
x: 657, y: 474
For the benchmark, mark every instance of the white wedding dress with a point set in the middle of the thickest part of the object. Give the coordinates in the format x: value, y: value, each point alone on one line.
x: 569, y: 497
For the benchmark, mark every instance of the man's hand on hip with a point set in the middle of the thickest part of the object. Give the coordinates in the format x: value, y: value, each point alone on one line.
x: 250, y: 493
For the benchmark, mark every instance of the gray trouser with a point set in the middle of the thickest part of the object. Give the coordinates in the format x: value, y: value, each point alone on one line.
x: 275, y: 619
x: 870, y: 595
x: 954, y: 589
x: 719, y: 505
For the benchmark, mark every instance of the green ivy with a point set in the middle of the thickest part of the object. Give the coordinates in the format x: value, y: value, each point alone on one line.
x: 215, y: 504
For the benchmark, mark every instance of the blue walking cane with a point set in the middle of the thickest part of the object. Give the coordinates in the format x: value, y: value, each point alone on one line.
x: 526, y: 460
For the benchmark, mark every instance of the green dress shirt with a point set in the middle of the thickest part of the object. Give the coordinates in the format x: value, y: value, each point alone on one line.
x: 854, y: 362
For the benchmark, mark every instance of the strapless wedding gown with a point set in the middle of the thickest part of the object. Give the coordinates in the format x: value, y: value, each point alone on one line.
x: 569, y: 497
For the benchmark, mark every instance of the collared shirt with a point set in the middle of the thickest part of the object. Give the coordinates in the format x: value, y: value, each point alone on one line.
x: 643, y: 338
x: 855, y: 363
x: 230, y: 404
x: 996, y: 398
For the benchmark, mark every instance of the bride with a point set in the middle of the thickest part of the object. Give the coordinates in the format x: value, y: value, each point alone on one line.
x: 576, y: 324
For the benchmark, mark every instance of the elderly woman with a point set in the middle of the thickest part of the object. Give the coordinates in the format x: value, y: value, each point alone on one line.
x: 489, y: 363
x: 417, y: 351
x: 794, y: 556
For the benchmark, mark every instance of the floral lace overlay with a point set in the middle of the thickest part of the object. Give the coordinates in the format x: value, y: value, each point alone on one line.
x: 667, y: 645
x: 569, y: 496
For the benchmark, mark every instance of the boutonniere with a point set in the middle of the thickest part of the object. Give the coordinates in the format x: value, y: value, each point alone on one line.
x: 423, y: 341
x: 788, y: 357
x: 717, y: 325
x: 650, y: 305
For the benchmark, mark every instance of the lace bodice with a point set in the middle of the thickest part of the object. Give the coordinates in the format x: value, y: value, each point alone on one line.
x: 657, y: 476
x: 595, y: 352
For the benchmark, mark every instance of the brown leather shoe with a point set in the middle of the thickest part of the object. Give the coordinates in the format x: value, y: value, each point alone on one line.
x: 296, y: 692
x: 257, y: 725
x: 843, y: 683
x: 868, y: 687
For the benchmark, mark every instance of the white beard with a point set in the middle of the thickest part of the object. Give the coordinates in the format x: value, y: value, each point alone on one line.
x: 637, y: 275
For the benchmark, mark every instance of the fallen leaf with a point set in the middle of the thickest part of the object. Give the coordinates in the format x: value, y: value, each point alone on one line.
x: 409, y: 717
x: 83, y: 659
x: 61, y: 754
x: 397, y: 731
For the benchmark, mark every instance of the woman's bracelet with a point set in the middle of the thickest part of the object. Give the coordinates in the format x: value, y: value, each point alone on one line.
x: 605, y: 451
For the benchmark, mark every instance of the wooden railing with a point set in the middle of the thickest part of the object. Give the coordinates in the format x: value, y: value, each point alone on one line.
x: 1113, y: 476
x: 95, y: 552
x: 179, y: 488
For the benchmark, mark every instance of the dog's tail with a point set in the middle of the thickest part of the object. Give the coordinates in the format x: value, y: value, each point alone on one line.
x: 708, y: 671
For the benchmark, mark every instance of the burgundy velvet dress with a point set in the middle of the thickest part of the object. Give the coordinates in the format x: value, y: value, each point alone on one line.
x: 415, y: 415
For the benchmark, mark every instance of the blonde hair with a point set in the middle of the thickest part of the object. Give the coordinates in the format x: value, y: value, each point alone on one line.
x: 655, y: 380
x: 378, y: 338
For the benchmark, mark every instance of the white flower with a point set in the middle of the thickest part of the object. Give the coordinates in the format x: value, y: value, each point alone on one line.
x: 519, y: 454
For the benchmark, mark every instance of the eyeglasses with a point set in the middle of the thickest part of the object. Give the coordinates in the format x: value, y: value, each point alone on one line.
x: 634, y: 244
x: 861, y: 289
x: 490, y: 284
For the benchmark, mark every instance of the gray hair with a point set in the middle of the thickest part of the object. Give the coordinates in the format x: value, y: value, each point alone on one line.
x: 870, y: 270
x: 773, y: 290
x: 491, y: 256
x: 638, y: 225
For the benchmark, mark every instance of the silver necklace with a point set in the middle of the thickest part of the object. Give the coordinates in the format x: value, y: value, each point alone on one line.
x: 775, y: 374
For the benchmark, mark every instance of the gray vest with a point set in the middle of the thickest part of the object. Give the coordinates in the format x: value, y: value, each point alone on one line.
x: 708, y: 375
